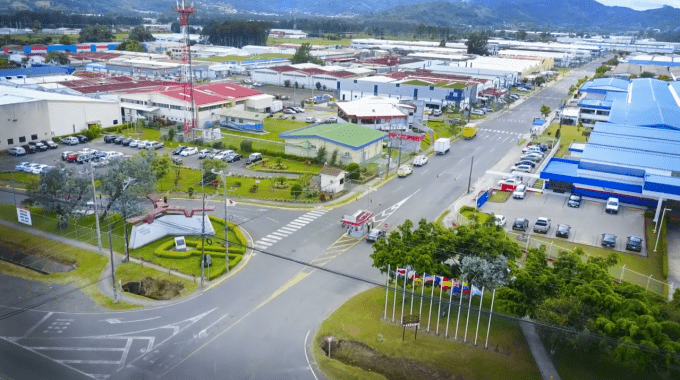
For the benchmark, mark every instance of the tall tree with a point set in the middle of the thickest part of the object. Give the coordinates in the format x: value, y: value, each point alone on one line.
x: 131, y: 45
x: 476, y: 43
x: 65, y: 40
x: 57, y: 57
x: 303, y: 55
x: 36, y: 26
x: 63, y: 192
x: 113, y: 182
x: 545, y: 110
x: 161, y: 166
x: 141, y: 34
x: 97, y: 33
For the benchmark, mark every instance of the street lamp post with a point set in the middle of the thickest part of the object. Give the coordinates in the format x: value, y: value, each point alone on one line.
x: 113, y: 269
x: 226, y: 218
x: 126, y: 183
x: 96, y: 209
x: 663, y: 215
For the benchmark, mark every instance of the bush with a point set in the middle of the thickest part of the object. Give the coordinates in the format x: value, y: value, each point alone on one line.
x: 218, y: 145
x: 247, y: 146
x: 466, y: 208
x: 191, y: 191
x: 353, y: 170
x: 296, y: 190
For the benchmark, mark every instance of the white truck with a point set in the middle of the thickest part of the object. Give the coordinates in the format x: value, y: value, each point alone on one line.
x: 442, y: 145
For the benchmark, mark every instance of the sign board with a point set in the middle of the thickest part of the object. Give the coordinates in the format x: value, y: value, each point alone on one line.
x: 180, y: 243
x: 329, y: 339
x: 482, y: 199
x: 408, y: 137
x: 24, y: 216
x: 411, y: 320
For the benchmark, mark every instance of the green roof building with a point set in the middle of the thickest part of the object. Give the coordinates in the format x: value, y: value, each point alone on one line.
x: 354, y: 143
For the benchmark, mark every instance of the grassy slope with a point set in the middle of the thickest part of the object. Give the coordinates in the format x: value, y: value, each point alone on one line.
x: 569, y: 134
x: 360, y: 319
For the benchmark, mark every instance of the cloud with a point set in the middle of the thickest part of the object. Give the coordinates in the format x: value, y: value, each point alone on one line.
x: 640, y: 4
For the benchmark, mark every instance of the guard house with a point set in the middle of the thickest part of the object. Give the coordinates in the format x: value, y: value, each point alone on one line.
x: 332, y: 179
x: 358, y: 224
x: 242, y: 120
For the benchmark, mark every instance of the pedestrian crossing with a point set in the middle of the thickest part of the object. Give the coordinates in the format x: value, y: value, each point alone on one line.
x: 496, y: 131
x: 288, y: 229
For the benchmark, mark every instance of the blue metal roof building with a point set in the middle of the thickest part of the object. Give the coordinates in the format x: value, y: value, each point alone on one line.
x: 651, y: 103
x: 604, y: 85
x: 35, y: 71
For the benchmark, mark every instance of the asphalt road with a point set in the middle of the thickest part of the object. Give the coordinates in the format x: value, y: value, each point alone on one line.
x: 256, y: 324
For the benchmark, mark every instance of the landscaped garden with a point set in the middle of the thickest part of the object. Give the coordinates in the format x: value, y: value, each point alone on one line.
x: 569, y: 134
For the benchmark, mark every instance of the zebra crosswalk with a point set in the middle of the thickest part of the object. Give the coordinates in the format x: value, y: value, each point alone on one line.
x: 496, y: 131
x: 288, y: 229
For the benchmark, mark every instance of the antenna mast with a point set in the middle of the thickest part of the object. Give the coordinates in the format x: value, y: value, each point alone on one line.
x: 187, y: 73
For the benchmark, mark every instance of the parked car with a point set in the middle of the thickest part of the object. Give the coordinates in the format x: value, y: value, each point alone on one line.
x: 72, y: 157
x: 212, y: 154
x: 154, y: 145
x: 478, y: 112
x: 84, y: 157
x: 31, y: 167
x: 289, y: 111
x: 70, y: 140
x: 82, y: 138
x: 609, y: 240
x: 119, y: 140
x: 30, y: 149
x: 254, y: 157
x: 634, y: 243
x: 17, y: 151
x: 330, y: 120
x: 65, y: 154
x: 375, y: 235
x: 178, y: 150
x: 38, y: 146
x: 419, y: 160
x: 532, y: 148
x: 520, y: 224
x: 220, y: 155
x: 563, y: 231
x: 515, y: 96
x: 574, y: 201
x: 143, y: 144
x: 510, y: 181
x: 50, y: 144
x: 526, y: 162
x: 404, y: 170
x: 110, y: 138
x: 177, y: 161
x: 202, y: 153
x: 114, y: 155
x: 520, y: 192
x: 20, y: 167
x: 542, y: 225
x: 127, y: 141
x: 299, y: 109
x: 189, y: 152
x: 522, y: 168
x: 233, y: 158
x: 436, y: 113
x: 134, y: 143
x: 530, y: 157
x: 612, y: 206
x: 500, y: 220
x: 99, y: 162
x: 311, y: 120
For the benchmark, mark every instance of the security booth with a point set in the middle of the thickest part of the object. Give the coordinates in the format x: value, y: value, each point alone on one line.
x: 358, y: 224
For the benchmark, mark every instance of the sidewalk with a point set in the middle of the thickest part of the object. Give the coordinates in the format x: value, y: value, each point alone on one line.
x: 105, y: 286
x: 538, y: 351
x: 673, y: 244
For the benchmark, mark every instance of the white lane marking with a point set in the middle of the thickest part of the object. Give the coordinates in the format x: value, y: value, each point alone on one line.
x: 203, y: 333
x: 288, y: 229
x: 115, y: 321
x: 303, y: 222
x: 425, y: 171
x: 277, y: 238
x: 262, y: 244
x: 384, y: 214
x: 492, y: 149
x: 315, y: 213
x: 398, y: 189
x: 269, y: 240
x: 280, y: 234
x: 303, y: 219
x: 125, y: 353
x: 297, y: 224
x: 307, y: 356
x: 271, y: 219
x: 77, y: 348
x: 477, y: 148
x: 447, y: 157
x: 38, y: 324
x: 87, y: 362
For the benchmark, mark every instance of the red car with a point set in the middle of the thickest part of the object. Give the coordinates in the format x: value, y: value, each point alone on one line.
x: 72, y: 157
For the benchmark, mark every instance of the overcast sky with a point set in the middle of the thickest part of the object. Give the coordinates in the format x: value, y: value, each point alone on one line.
x: 641, y: 4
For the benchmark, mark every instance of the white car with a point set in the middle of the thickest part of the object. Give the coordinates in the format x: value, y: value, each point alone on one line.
x: 289, y: 111
x: 20, y: 167
x: 89, y: 150
x: 478, y: 112
x: 219, y: 155
x: 330, y: 120
x: 404, y: 170
x: 531, y: 149
x: 39, y: 168
x: 419, y: 160
x: 203, y: 152
x: 30, y: 167
x: 311, y: 120
x: 522, y: 89
x: 510, y: 181
x: 189, y: 152
x: 519, y: 192
x: 299, y: 109
x: 500, y: 220
x: 143, y: 144
x: 134, y: 143
x: 521, y: 168
x: 112, y: 155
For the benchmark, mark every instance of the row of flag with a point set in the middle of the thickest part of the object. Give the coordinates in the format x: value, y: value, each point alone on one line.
x: 445, y: 283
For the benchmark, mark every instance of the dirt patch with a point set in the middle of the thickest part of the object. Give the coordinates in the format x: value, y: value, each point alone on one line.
x: 154, y: 288
x: 361, y: 355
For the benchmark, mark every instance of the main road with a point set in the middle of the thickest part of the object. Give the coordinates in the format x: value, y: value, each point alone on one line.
x: 257, y: 323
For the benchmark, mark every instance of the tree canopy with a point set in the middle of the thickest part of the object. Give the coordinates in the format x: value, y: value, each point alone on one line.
x: 57, y: 57
x: 430, y: 248
x: 131, y: 45
x: 141, y: 34
x: 476, y: 43
x: 63, y: 192
x: 112, y: 181
x: 237, y: 33
x: 97, y: 33
x: 303, y: 55
x: 545, y: 110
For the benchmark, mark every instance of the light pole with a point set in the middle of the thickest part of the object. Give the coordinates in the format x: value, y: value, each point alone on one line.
x: 113, y: 269
x: 226, y: 217
x: 663, y: 215
x: 126, y: 183
x: 96, y: 209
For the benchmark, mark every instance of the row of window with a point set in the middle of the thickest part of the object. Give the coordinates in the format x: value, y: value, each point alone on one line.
x: 594, y: 112
x: 22, y: 139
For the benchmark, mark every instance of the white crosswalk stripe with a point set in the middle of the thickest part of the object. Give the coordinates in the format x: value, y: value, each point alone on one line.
x: 268, y: 240
x: 281, y: 234
x: 306, y: 219
x: 277, y: 238
x: 289, y: 228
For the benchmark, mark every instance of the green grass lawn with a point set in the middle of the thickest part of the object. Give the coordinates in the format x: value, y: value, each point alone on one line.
x: 569, y: 134
x: 499, y: 196
x: 19, y: 177
x: 238, y: 58
x: 274, y: 127
x: 360, y: 319
x: 442, y: 129
x: 127, y: 272
x: 291, y: 166
x: 89, y: 265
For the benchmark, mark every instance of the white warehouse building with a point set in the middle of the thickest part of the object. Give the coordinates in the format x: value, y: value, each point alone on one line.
x: 36, y: 115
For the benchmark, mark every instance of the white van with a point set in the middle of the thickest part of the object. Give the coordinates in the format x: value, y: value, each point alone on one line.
x: 420, y: 160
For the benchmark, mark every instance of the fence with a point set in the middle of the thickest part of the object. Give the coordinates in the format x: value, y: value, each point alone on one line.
x: 619, y: 273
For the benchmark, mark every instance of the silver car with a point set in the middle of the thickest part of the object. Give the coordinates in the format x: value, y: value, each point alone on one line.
x: 542, y: 225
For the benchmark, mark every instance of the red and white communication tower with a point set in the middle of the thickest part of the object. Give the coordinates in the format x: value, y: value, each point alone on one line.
x: 187, y: 74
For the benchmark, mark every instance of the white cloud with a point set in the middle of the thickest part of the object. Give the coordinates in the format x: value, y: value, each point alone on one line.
x: 641, y: 4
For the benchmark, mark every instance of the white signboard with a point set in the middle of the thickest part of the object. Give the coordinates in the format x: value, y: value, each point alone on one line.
x: 180, y: 243
x: 24, y: 216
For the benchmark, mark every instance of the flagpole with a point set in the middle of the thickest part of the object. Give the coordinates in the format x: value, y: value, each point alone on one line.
x: 422, y: 293
x: 448, y: 313
x: 429, y: 315
x: 488, y: 328
x: 413, y: 290
x: 439, y: 310
x: 387, y: 290
x: 467, y: 320
x: 403, y: 296
x: 460, y: 303
x: 394, y: 304
x: 479, y: 315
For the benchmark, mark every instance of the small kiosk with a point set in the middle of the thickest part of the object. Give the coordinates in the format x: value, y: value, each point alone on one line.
x: 357, y: 224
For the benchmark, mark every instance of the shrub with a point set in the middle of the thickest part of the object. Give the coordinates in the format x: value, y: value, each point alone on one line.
x: 247, y: 146
x: 191, y: 191
x: 296, y: 190
x: 353, y: 170
x: 218, y: 145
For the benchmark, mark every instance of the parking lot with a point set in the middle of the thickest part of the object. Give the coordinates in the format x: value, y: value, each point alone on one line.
x: 588, y: 222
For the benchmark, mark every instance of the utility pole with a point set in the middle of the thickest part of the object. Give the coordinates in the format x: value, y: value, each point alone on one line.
x: 400, y: 140
x: 389, y: 156
x: 470, y: 177
x: 126, y: 183
x: 203, y: 240
x: 113, y: 270
x: 96, y: 209
x: 226, y: 224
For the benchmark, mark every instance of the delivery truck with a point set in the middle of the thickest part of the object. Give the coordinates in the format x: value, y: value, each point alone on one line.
x: 442, y: 145
x: 469, y: 131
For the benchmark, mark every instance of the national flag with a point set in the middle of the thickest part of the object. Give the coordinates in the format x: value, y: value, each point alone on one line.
x: 476, y: 291
x: 411, y: 274
x: 401, y: 271
x: 428, y: 277
x: 466, y: 288
x: 230, y: 203
x: 446, y: 284
x: 456, y: 286
x: 437, y: 280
